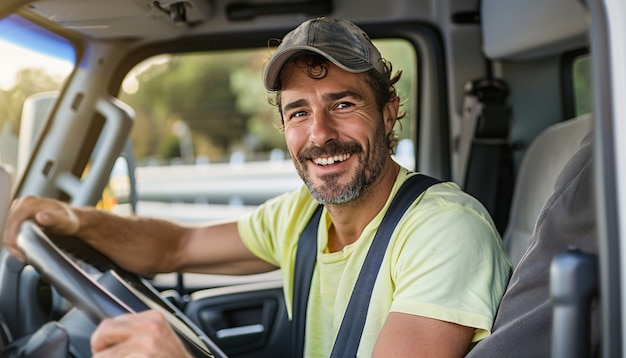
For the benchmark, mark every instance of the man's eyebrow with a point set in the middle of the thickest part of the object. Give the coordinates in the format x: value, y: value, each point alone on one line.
x: 343, y: 94
x: 327, y: 97
x: 294, y: 104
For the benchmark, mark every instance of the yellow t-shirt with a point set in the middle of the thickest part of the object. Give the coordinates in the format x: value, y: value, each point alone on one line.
x: 444, y: 261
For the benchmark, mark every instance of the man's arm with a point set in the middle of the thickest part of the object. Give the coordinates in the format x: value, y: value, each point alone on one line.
x: 140, y: 245
x: 218, y: 249
x: 406, y: 335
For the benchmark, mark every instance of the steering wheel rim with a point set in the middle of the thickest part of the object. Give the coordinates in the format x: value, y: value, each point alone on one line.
x: 92, y: 298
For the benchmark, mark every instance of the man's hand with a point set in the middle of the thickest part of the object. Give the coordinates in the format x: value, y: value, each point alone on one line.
x: 145, y: 334
x: 137, y: 245
x: 51, y: 214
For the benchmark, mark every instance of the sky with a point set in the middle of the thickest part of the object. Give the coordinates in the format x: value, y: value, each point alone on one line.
x: 14, y: 58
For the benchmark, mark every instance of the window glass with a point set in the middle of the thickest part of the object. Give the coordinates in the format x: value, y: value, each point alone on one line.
x: 35, y: 63
x: 206, y: 141
x: 582, y: 84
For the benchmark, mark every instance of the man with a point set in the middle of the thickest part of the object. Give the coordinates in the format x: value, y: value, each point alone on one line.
x: 444, y: 272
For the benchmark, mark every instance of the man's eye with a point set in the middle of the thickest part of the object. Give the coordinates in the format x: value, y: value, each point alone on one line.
x: 297, y: 114
x: 344, y: 105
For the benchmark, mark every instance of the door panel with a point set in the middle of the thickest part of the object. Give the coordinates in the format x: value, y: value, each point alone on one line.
x: 244, y: 320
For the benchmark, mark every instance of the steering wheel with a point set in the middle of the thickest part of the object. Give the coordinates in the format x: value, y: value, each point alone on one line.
x: 116, y: 292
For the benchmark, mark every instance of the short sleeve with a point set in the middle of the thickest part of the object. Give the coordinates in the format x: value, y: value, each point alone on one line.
x: 450, y: 265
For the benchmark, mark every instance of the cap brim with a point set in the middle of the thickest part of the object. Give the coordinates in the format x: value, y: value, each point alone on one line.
x: 278, y: 60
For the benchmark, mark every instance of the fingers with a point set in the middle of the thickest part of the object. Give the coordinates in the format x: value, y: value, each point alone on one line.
x: 11, y: 229
x: 48, y: 213
x: 60, y: 219
x: 7, y: 241
x: 109, y: 332
x: 145, y: 334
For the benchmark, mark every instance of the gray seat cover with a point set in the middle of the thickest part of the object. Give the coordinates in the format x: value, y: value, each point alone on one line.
x: 524, y: 320
x: 543, y: 162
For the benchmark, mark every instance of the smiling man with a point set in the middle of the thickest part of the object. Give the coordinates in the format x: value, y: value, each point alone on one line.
x: 442, y: 275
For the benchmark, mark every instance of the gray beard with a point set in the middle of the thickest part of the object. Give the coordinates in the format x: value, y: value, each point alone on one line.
x: 371, y: 165
x: 332, y: 193
x: 350, y: 192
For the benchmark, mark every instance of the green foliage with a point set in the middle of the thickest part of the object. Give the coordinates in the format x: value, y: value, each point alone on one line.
x: 401, y: 55
x: 170, y: 147
x: 27, y: 82
x: 582, y: 85
x: 197, y: 89
x: 221, y: 97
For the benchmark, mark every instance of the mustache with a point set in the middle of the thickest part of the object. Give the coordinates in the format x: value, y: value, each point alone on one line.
x: 329, y: 149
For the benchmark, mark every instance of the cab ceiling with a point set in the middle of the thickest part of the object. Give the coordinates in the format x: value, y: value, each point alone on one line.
x: 162, y: 19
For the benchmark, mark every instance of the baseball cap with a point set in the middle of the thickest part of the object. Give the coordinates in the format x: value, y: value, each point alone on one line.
x: 340, y: 41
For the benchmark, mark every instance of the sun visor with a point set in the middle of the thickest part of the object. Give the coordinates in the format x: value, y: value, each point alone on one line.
x: 517, y: 30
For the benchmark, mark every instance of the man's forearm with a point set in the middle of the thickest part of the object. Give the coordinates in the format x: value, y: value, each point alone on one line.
x: 141, y: 245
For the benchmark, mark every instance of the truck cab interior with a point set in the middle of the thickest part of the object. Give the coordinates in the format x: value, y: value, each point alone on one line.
x: 157, y: 108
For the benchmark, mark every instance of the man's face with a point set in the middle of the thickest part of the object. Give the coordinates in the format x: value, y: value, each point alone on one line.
x: 335, y: 133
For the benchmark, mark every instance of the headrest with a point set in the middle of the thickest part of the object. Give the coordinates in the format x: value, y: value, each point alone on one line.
x: 517, y: 30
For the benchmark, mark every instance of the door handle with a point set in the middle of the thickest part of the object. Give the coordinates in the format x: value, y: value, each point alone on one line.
x: 240, y: 331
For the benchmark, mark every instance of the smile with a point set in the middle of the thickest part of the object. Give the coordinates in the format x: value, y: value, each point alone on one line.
x: 331, y: 160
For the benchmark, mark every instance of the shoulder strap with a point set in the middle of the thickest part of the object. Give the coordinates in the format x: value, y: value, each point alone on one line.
x: 352, y: 325
x: 484, y: 146
x: 349, y: 336
x: 306, y: 253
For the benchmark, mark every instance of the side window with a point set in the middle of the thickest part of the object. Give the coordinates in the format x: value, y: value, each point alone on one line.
x: 582, y: 84
x: 35, y: 64
x: 401, y: 54
x: 207, y: 143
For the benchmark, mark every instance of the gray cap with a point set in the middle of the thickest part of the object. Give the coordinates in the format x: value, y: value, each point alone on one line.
x: 340, y: 41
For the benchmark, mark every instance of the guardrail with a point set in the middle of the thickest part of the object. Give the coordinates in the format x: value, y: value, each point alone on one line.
x: 249, y: 183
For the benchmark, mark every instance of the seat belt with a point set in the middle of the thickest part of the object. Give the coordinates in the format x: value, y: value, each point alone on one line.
x: 483, y: 147
x: 306, y: 253
x: 351, y: 329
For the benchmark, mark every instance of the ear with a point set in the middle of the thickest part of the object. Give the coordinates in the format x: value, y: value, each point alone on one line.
x: 390, y: 114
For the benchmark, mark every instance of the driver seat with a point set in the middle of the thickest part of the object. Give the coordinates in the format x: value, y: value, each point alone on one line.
x: 542, y: 163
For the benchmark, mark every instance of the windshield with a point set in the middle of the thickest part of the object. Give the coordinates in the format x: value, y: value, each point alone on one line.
x: 35, y: 64
x: 206, y: 141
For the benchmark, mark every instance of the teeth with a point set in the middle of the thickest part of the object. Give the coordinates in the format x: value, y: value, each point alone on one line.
x: 331, y: 160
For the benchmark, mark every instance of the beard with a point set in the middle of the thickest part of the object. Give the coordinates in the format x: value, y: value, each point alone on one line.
x: 371, y: 164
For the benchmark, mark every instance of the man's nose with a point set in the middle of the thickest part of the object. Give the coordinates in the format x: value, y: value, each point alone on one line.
x: 323, y: 128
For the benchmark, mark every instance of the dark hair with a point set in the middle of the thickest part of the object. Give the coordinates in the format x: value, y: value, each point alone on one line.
x: 382, y: 85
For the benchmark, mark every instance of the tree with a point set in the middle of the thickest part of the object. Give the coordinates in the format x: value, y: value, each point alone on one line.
x: 196, y: 89
x: 28, y: 81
